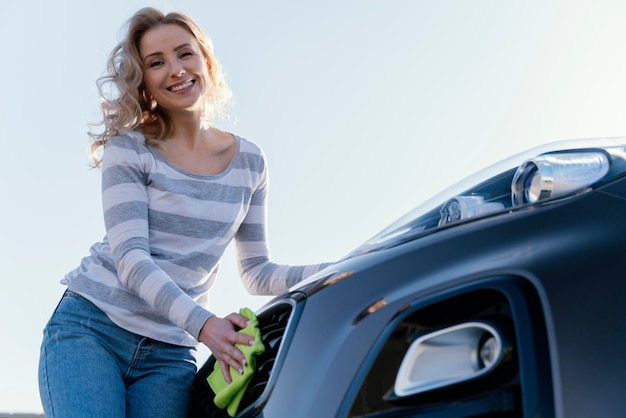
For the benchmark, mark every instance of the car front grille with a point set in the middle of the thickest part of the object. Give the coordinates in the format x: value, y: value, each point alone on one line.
x: 274, y: 321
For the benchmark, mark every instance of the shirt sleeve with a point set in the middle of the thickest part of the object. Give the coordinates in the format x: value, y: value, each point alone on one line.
x: 126, y: 217
x: 260, y: 275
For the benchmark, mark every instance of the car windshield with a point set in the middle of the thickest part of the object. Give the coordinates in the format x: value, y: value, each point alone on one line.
x: 484, y: 193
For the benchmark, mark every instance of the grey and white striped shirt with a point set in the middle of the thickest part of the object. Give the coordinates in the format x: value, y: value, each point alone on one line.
x: 166, y: 231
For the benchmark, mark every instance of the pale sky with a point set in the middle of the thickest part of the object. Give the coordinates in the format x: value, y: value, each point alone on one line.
x: 364, y: 108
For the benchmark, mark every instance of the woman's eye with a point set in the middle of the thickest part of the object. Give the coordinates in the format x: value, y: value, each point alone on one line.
x: 155, y: 63
x: 186, y: 54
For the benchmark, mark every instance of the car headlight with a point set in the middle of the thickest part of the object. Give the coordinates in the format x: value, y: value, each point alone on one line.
x: 537, y: 176
x: 554, y: 175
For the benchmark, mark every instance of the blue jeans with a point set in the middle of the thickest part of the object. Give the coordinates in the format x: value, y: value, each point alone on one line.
x: 90, y: 367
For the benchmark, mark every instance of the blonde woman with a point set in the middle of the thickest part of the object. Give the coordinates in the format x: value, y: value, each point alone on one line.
x: 176, y: 191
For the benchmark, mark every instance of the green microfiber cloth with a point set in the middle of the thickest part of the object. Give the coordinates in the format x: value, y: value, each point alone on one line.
x: 229, y: 396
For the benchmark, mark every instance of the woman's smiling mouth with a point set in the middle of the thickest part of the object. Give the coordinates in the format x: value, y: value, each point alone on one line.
x: 182, y: 86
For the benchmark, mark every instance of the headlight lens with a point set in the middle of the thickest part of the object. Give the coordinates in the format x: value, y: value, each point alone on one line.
x: 558, y: 174
x: 465, y: 207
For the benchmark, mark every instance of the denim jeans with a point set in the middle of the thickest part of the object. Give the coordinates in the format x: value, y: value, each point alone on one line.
x: 90, y: 367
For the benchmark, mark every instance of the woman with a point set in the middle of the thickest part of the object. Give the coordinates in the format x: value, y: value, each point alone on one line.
x: 175, y: 191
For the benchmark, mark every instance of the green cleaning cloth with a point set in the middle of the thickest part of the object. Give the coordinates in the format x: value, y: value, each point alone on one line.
x: 229, y: 396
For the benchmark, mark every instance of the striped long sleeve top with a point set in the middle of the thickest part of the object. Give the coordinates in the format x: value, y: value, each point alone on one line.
x: 166, y: 231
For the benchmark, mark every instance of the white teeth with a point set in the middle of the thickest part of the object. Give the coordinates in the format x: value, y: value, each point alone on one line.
x: 182, y: 86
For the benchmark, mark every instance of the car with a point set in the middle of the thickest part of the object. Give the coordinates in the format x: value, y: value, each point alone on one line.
x: 503, y: 296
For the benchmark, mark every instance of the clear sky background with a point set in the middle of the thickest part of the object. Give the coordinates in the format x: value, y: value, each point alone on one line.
x: 364, y: 108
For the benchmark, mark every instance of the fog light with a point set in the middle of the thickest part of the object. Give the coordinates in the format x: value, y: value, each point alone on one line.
x: 448, y: 356
x: 488, y: 352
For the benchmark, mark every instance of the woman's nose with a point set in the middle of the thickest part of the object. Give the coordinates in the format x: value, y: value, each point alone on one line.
x: 177, y: 69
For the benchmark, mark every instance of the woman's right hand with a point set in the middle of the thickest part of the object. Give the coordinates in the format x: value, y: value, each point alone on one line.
x: 220, y: 335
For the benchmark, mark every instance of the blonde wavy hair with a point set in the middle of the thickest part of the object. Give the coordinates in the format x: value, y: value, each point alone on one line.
x: 125, y: 103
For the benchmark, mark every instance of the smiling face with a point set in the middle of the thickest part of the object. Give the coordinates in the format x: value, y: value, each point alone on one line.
x: 176, y: 73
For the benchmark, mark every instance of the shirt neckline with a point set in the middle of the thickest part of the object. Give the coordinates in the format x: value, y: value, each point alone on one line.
x: 160, y: 158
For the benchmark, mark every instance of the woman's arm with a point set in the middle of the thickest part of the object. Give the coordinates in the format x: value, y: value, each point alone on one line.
x: 126, y: 206
x: 260, y: 275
